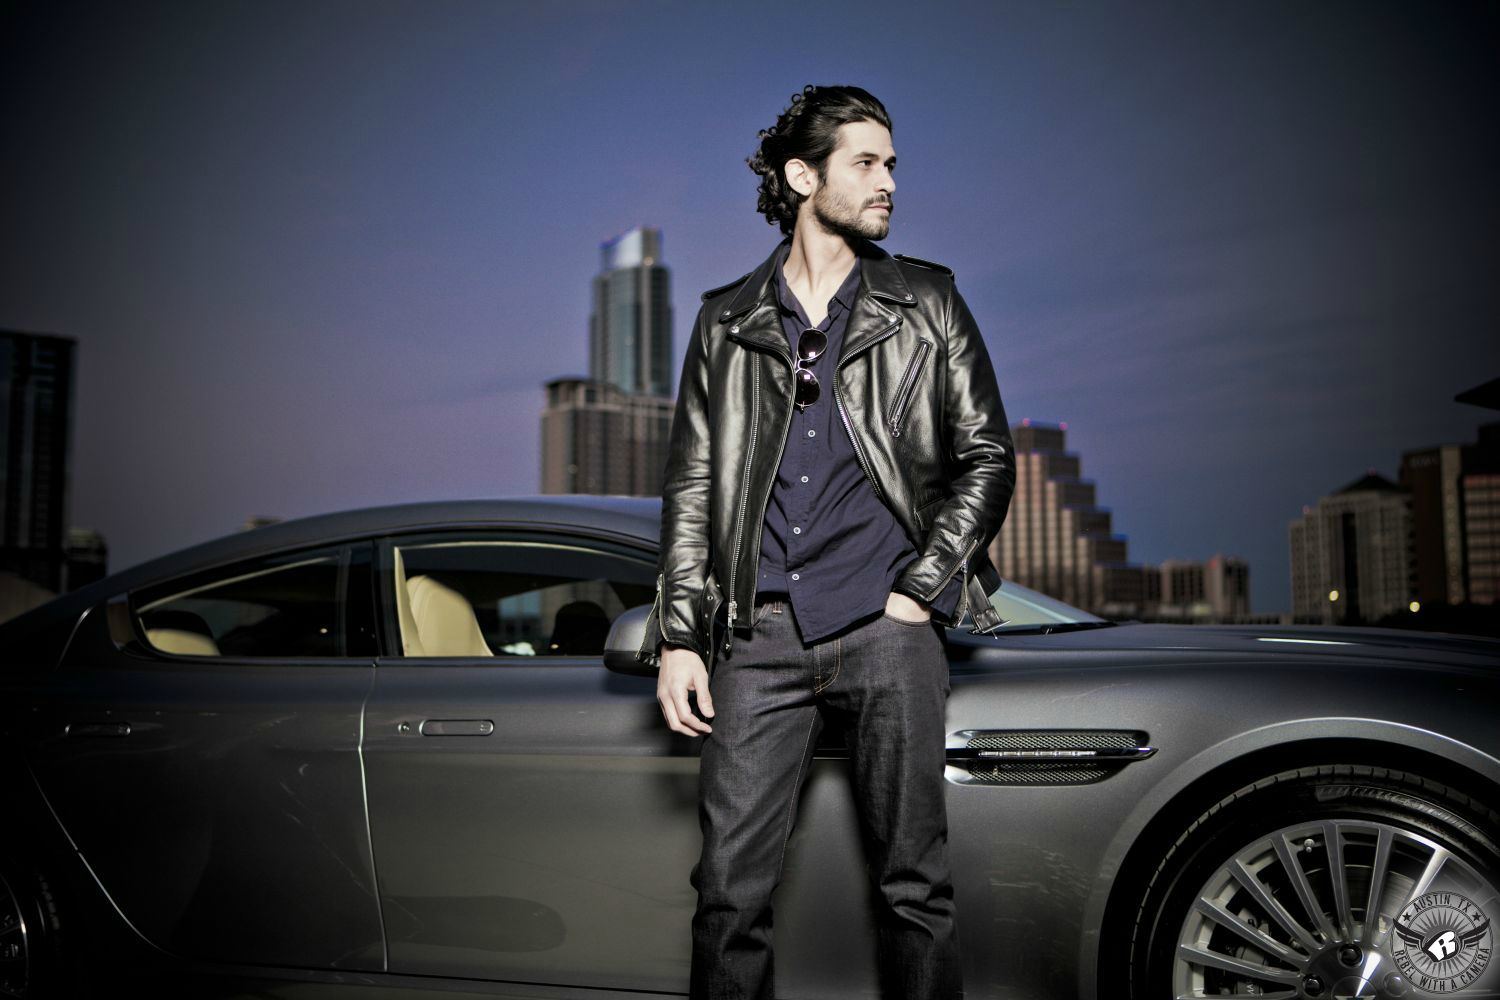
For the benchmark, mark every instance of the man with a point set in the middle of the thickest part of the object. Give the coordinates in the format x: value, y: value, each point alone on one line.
x: 839, y: 460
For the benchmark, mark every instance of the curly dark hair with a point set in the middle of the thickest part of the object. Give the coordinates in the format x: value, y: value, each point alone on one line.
x: 807, y: 130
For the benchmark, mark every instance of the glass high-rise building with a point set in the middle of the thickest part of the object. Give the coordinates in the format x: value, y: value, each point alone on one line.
x: 630, y: 328
x: 608, y: 433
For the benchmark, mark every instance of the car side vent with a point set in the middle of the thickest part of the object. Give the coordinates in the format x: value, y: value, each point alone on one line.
x: 1043, y: 756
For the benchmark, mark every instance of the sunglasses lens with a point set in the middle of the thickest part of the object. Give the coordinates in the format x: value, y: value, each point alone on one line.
x: 811, y: 344
x: 807, y: 387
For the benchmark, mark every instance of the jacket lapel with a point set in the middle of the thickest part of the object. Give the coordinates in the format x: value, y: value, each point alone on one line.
x: 880, y: 281
x: 869, y: 321
x: 752, y: 315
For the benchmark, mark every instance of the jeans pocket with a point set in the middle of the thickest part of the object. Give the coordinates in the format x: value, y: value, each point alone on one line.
x: 902, y: 621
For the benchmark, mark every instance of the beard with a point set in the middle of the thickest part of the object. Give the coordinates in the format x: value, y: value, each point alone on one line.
x: 841, y: 217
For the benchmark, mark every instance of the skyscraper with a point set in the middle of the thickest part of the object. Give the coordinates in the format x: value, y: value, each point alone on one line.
x: 36, y: 413
x: 1455, y: 513
x: 608, y: 433
x: 1431, y: 475
x: 1226, y: 586
x: 1054, y: 537
x: 597, y: 439
x: 630, y: 329
x: 1351, y: 554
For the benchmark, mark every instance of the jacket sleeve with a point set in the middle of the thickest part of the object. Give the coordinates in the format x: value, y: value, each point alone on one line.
x: 685, y: 549
x: 978, y: 452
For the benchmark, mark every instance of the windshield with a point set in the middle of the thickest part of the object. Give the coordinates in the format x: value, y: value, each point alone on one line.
x: 1022, y: 607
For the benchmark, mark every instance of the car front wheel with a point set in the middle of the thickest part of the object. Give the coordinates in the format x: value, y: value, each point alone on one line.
x: 21, y: 932
x: 1323, y: 882
x: 33, y: 964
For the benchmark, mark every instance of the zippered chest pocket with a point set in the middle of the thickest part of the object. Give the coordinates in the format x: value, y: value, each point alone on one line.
x: 906, y: 388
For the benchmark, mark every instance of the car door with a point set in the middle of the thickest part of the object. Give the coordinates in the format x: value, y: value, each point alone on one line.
x: 533, y: 819
x: 200, y: 744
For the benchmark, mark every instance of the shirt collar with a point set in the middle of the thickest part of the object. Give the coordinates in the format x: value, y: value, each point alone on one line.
x: 844, y: 296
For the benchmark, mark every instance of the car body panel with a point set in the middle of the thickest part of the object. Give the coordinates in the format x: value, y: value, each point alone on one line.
x: 182, y: 786
x: 555, y: 849
x: 488, y: 869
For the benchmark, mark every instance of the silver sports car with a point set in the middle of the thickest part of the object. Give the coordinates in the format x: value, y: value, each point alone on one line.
x: 410, y: 750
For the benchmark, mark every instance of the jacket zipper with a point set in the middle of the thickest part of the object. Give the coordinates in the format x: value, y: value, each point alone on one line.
x: 908, y: 383
x: 963, y: 599
x: 739, y: 525
x: 648, y: 647
x: 838, y: 399
x: 963, y: 563
x: 745, y: 494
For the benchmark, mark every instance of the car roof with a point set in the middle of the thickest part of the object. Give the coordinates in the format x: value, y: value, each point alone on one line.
x: 638, y: 518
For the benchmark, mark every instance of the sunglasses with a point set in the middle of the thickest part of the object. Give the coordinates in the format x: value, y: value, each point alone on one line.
x: 810, y: 347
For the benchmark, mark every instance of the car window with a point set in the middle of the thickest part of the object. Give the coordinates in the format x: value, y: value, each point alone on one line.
x: 489, y: 597
x: 283, y: 606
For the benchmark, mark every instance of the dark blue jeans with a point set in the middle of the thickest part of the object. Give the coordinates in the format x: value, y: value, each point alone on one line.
x: 889, y: 681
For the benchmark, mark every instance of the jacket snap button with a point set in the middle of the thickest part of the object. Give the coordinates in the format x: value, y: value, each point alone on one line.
x: 908, y: 295
x: 735, y: 328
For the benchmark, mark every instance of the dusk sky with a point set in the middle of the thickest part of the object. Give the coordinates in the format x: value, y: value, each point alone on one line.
x: 324, y: 255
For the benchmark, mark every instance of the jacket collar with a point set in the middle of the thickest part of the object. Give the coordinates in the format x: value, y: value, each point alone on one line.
x: 880, y: 278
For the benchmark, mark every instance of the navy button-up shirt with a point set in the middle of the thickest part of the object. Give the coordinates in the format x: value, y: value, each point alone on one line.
x: 829, y: 542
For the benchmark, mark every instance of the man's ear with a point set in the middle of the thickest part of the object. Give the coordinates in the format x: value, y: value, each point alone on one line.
x: 801, y: 177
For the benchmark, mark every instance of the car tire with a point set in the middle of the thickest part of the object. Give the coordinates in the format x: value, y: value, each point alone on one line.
x: 1207, y: 923
x: 33, y: 960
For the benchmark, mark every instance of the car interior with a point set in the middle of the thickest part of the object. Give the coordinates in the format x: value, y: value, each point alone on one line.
x: 486, y: 599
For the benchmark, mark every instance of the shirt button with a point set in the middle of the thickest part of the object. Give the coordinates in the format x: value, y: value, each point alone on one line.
x: 804, y: 479
x: 796, y: 531
x: 812, y: 434
x: 796, y: 576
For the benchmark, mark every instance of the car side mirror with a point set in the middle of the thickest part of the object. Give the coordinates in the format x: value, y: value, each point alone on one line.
x: 625, y: 637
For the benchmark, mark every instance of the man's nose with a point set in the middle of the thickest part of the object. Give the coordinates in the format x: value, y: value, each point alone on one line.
x: 887, y: 183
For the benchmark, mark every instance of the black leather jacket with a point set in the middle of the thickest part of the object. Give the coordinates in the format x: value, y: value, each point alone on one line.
x: 917, y: 394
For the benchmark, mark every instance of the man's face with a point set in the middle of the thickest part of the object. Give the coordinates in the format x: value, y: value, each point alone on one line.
x: 853, y: 200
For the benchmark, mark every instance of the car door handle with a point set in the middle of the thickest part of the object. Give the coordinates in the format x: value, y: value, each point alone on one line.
x: 97, y: 729
x: 457, y: 727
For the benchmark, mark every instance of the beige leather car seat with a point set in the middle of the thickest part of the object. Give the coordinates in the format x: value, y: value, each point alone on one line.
x: 439, y: 618
x: 411, y: 641
x: 181, y: 642
x: 179, y: 632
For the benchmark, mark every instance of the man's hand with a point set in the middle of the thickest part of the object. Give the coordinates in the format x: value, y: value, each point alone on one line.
x: 905, y: 608
x: 682, y: 670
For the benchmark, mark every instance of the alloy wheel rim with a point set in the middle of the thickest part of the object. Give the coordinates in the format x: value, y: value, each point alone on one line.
x: 1287, y: 917
x: 14, y: 954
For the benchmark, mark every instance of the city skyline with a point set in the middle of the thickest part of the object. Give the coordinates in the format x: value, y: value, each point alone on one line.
x: 327, y: 257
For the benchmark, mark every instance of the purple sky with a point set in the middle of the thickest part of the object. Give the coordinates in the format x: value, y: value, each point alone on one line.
x: 320, y: 256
